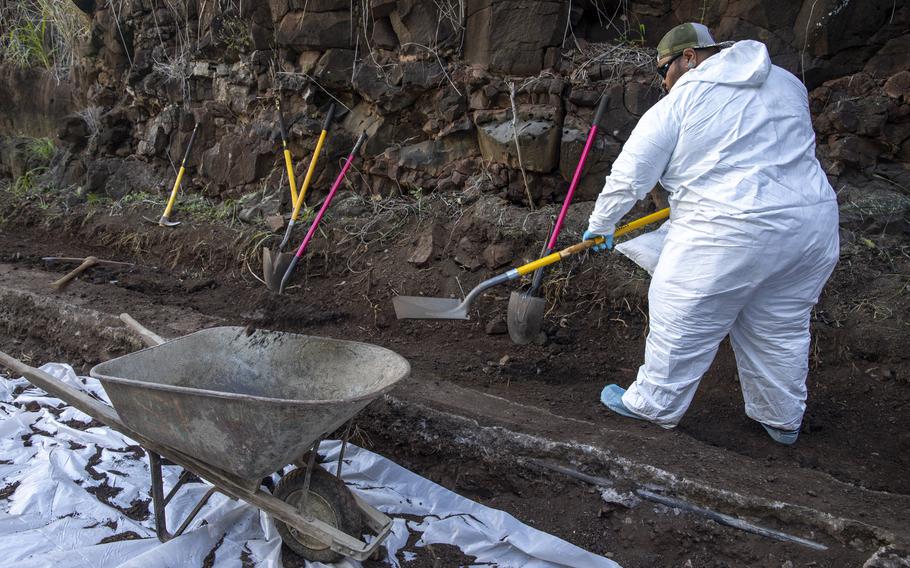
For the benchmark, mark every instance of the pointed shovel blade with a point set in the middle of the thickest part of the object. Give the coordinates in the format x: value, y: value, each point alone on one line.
x: 524, y: 317
x: 419, y: 307
x: 274, y: 265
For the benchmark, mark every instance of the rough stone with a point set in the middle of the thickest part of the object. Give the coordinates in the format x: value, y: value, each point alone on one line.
x: 835, y: 38
x: 333, y: 70
x: 437, y: 157
x: 639, y: 97
x: 383, y: 35
x: 478, y: 100
x: 375, y: 83
x: 898, y: 86
x: 319, y: 30
x: 497, y: 326
x: 466, y: 254
x: 865, y: 117
x: 498, y: 254
x: 73, y: 132
x: 855, y: 150
x: 254, y: 206
x: 496, y: 34
x: 274, y: 222
x: 237, y: 160
x: 278, y: 8
x: 538, y: 136
x: 890, y: 59
x: 422, y: 74
x: 382, y: 8
x: 419, y: 22
x: 363, y: 119
x: 307, y: 61
x: 423, y: 251
x: 597, y: 165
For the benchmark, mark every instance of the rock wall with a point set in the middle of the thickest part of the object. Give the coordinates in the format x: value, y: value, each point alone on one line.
x: 435, y: 85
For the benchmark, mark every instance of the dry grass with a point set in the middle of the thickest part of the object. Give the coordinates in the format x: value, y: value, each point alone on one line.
x: 42, y: 33
x: 616, y: 57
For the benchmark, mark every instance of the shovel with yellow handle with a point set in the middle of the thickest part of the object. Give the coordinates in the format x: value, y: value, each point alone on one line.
x: 289, y: 164
x: 275, y: 264
x: 165, y: 220
x: 419, y: 307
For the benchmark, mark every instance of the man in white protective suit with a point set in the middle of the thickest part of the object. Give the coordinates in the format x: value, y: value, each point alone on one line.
x: 753, y: 233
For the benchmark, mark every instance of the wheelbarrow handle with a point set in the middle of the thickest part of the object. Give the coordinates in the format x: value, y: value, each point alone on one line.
x: 150, y: 338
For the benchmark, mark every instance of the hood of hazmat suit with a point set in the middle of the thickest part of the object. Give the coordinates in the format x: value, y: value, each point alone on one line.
x: 753, y: 236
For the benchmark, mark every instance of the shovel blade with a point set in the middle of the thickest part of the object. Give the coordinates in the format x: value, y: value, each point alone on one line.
x: 525, y: 317
x: 419, y: 307
x: 274, y: 265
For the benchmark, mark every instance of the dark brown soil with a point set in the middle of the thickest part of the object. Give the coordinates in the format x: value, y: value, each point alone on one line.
x: 859, y: 382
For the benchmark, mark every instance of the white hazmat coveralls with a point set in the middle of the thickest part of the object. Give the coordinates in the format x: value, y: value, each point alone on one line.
x: 753, y: 234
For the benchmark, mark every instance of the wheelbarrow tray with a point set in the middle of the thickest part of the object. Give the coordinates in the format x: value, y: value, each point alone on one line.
x: 246, y: 404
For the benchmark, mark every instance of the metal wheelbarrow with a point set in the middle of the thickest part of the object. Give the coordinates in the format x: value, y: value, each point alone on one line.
x: 233, y: 407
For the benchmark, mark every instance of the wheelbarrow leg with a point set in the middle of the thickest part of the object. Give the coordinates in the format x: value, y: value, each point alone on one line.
x: 311, y: 463
x: 159, y: 501
x: 344, y: 445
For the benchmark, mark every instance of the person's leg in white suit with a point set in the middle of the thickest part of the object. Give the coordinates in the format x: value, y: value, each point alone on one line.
x: 771, y: 337
x: 698, y: 289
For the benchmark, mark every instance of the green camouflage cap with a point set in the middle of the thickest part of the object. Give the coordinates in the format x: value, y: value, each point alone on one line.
x: 685, y: 36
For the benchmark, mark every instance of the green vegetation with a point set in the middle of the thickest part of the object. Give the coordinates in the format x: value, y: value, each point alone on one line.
x: 38, y: 153
x: 26, y: 184
x: 235, y: 34
x: 24, y: 45
x: 41, y: 33
x: 195, y: 206
x: 41, y: 149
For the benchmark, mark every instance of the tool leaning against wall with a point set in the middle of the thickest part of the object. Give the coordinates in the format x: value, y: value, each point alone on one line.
x: 274, y: 264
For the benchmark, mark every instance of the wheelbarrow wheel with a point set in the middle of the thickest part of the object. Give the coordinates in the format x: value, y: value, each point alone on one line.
x: 329, y: 500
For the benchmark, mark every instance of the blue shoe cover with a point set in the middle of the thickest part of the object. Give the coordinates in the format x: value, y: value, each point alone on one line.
x: 611, y: 397
x: 786, y: 437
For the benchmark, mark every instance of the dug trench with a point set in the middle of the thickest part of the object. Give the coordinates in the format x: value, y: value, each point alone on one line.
x: 493, y: 420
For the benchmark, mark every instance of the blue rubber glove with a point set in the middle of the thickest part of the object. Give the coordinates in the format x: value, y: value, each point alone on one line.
x: 608, y: 243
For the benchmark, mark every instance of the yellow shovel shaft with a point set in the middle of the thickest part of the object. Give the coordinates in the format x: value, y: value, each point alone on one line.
x: 290, y: 167
x: 309, y: 175
x: 584, y: 245
x: 639, y: 223
x: 173, y: 198
x: 539, y: 263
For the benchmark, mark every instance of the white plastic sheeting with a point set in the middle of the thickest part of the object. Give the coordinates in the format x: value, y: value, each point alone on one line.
x: 51, y: 471
x: 644, y: 250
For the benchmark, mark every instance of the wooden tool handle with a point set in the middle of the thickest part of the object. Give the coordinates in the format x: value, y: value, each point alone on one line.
x: 89, y: 262
x: 99, y: 262
x: 147, y: 336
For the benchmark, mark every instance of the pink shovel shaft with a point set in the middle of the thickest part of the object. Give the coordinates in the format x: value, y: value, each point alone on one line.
x: 329, y: 197
x: 592, y: 136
